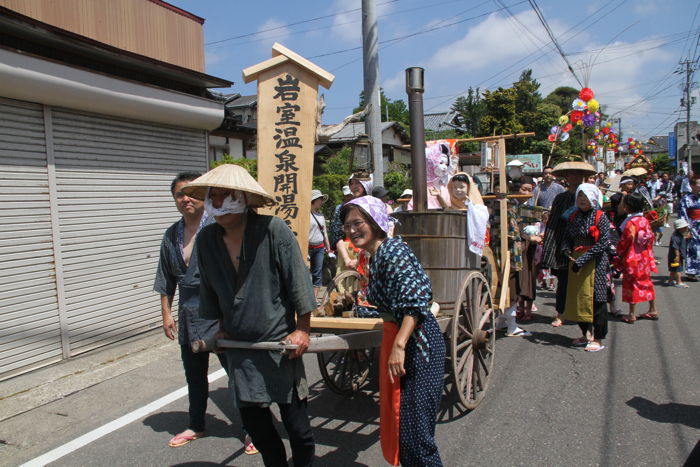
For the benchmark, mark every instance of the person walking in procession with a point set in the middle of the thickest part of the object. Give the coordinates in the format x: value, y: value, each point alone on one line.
x: 676, y: 253
x: 255, y: 283
x: 318, y: 240
x: 635, y: 259
x: 586, y: 244
x: 689, y: 210
x: 412, y: 356
x: 178, y: 269
x: 552, y: 254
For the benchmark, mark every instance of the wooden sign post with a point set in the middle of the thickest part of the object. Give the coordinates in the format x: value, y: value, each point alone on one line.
x: 287, y: 113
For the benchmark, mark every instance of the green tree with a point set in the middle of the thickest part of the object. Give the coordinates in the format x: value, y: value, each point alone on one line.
x: 392, y: 110
x: 338, y: 163
x: 661, y: 162
x: 470, y: 110
x: 251, y: 165
x: 562, y: 97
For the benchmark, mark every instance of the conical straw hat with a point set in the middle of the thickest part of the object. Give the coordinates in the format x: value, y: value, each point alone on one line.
x: 635, y: 171
x: 233, y: 177
x: 573, y: 166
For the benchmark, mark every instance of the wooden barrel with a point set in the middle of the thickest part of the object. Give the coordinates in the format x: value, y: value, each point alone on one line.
x: 439, y: 240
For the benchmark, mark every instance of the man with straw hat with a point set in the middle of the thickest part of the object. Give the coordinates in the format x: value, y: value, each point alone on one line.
x: 552, y: 256
x: 254, y: 281
x: 177, y: 270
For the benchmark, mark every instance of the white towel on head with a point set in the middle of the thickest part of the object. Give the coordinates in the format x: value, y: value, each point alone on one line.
x: 477, y: 220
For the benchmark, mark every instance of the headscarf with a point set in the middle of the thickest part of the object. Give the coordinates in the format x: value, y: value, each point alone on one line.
x: 376, y: 209
x: 592, y: 193
x: 473, y: 194
x: 368, y: 185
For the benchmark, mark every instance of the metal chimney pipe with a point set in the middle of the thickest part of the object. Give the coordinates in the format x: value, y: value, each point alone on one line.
x: 414, y: 89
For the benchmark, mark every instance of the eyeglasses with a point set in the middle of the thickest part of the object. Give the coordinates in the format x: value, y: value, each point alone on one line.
x: 353, y: 225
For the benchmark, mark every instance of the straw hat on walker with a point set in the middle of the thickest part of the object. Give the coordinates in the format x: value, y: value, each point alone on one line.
x: 232, y: 177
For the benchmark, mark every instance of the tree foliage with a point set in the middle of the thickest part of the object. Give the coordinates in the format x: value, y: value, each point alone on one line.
x: 251, y: 165
x: 470, y: 110
x: 392, y: 110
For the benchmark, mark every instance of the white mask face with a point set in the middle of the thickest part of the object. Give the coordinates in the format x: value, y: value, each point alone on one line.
x: 232, y: 204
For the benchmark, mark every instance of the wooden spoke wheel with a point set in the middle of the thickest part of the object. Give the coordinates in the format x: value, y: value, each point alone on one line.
x: 489, y: 269
x: 341, y: 292
x: 472, y: 339
x: 345, y: 371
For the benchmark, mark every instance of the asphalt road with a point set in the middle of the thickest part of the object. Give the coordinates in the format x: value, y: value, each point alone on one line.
x: 637, y: 402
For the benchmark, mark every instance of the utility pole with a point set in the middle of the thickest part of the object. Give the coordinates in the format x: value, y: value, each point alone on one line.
x: 370, y: 61
x: 688, y: 102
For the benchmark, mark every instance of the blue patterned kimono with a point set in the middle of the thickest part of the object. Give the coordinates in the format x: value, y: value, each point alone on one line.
x: 688, y: 208
x: 398, y: 286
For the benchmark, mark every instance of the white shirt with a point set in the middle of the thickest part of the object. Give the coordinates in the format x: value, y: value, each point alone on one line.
x: 316, y: 234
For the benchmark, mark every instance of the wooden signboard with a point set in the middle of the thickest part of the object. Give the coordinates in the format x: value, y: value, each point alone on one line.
x: 287, y: 113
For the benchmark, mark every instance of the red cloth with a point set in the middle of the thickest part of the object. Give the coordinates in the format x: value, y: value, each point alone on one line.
x: 694, y: 214
x: 389, y: 399
x: 636, y: 261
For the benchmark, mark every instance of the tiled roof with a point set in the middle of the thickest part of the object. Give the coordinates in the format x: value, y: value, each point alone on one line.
x: 351, y: 131
x: 243, y: 101
x: 437, y: 121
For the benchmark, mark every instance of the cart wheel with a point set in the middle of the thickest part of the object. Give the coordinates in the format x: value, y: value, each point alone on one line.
x: 346, y: 281
x: 473, y: 340
x: 345, y: 371
x: 489, y: 269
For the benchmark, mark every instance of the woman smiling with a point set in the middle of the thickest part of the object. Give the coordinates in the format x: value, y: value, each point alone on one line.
x: 413, y: 350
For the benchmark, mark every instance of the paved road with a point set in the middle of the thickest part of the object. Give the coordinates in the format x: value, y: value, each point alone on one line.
x: 635, y: 403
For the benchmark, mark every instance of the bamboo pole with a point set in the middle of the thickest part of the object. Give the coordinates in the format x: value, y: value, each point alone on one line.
x: 488, y: 138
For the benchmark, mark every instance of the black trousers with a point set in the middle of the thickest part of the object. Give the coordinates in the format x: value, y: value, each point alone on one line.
x: 562, y: 276
x: 258, y: 422
x: 599, y: 326
x: 196, y: 371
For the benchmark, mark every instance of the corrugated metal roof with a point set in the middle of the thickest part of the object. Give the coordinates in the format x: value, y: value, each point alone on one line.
x: 353, y: 130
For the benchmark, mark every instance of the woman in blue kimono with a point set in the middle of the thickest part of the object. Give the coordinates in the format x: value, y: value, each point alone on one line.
x: 689, y: 209
x: 412, y: 356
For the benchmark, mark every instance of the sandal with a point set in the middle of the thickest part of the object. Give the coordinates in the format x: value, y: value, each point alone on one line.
x: 182, y: 439
x: 651, y: 316
x: 579, y: 342
x: 682, y: 285
x: 628, y: 319
x: 250, y: 448
x: 518, y: 333
x: 557, y: 323
x: 594, y: 347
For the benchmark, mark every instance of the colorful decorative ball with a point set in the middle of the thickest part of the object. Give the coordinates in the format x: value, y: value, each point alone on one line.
x: 593, y: 105
x: 578, y: 104
x: 586, y: 94
x: 563, y: 120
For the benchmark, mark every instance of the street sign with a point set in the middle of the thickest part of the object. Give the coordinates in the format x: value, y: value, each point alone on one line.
x: 287, y: 119
x: 532, y: 163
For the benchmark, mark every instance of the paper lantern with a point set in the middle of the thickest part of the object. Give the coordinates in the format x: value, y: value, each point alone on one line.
x: 593, y: 105
x: 586, y: 94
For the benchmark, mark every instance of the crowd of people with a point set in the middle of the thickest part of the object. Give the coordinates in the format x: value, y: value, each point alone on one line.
x: 240, y: 275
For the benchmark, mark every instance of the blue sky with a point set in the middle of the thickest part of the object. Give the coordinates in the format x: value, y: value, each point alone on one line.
x: 625, y: 50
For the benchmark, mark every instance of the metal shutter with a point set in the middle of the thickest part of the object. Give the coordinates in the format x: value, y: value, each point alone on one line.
x: 113, y: 186
x: 30, y: 332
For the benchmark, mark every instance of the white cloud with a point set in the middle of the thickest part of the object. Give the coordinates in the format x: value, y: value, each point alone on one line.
x: 645, y: 7
x: 348, y: 26
x: 212, y: 58
x: 271, y: 31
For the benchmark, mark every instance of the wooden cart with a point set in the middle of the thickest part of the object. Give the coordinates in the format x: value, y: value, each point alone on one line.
x: 465, y: 316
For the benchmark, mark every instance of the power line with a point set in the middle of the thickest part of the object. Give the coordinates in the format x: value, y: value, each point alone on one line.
x: 291, y: 24
x: 539, y: 14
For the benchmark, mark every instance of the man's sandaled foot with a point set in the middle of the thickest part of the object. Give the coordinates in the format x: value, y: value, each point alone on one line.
x: 557, y: 323
x: 184, y: 438
x: 579, y: 342
x: 594, y: 347
x: 651, y: 316
x: 518, y: 332
x: 250, y: 449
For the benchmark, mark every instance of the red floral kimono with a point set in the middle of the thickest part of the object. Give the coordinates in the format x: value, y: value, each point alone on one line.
x: 635, y: 259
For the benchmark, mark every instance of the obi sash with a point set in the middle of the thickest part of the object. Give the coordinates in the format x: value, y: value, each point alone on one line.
x: 694, y: 214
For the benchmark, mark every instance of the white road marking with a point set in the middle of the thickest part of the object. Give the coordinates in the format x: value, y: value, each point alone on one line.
x: 114, y: 425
